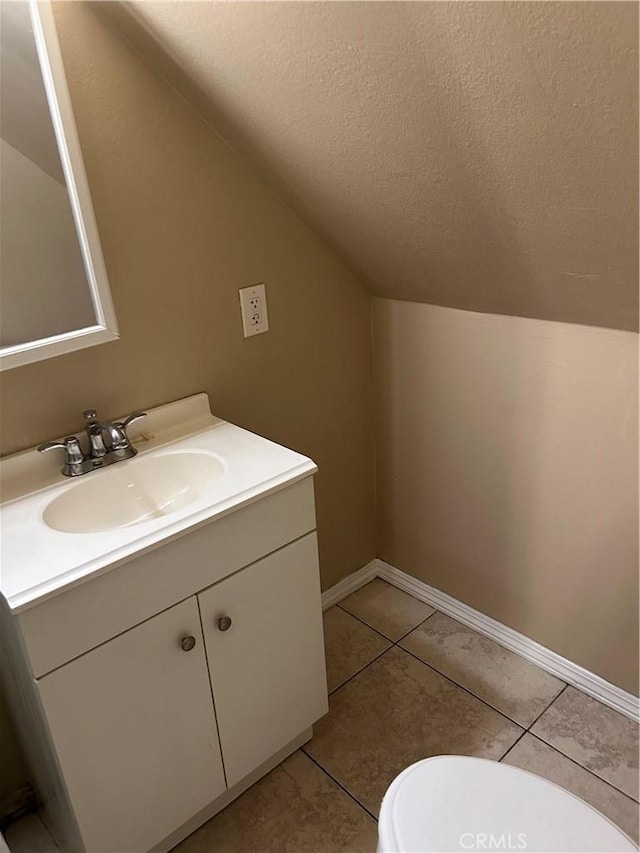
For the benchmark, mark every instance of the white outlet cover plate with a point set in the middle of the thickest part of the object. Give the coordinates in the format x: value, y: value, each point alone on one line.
x: 253, y: 305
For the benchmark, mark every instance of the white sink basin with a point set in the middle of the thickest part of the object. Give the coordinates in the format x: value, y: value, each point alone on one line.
x: 141, y: 489
x: 191, y: 469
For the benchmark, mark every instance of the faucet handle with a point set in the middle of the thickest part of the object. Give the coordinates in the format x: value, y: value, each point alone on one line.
x: 51, y: 445
x: 73, y: 458
x: 134, y: 416
x: 70, y: 445
x: 90, y: 417
x: 124, y: 443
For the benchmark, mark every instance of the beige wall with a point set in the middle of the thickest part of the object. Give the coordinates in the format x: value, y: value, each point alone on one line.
x: 184, y: 223
x: 507, y: 472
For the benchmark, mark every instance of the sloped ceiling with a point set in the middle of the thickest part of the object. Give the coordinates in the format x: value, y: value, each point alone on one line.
x: 478, y: 155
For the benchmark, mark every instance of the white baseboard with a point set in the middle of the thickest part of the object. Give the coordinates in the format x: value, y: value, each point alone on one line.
x: 349, y: 584
x: 527, y: 648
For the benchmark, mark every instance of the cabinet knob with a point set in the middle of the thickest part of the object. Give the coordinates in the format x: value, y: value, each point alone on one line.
x: 187, y: 643
x: 224, y: 623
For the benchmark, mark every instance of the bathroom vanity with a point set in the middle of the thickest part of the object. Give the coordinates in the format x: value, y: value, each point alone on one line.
x: 163, y: 652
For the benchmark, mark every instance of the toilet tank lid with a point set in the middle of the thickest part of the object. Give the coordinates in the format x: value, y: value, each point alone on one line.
x: 457, y: 803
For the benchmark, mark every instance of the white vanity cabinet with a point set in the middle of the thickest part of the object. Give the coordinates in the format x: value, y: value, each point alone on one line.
x: 267, y: 662
x: 142, y: 713
x: 134, y: 731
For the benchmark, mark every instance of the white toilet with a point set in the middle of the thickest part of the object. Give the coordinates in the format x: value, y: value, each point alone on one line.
x: 457, y: 803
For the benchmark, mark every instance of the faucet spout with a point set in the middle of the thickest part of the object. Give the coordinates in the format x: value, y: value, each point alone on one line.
x: 118, y: 439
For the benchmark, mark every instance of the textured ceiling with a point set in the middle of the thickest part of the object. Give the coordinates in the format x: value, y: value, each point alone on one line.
x: 479, y: 155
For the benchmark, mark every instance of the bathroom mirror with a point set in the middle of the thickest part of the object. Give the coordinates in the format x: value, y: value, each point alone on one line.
x: 54, y: 293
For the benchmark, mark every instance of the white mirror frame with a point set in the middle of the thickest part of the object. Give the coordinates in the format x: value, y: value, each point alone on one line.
x: 55, y: 83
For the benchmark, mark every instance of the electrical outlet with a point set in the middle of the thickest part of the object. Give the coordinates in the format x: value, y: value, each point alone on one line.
x: 253, y: 304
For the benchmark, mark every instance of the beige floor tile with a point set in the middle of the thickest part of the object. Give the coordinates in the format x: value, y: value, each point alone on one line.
x: 398, y: 711
x: 29, y: 835
x: 599, y: 738
x: 349, y: 646
x: 296, y: 807
x: 386, y: 608
x: 508, y: 682
x: 535, y: 756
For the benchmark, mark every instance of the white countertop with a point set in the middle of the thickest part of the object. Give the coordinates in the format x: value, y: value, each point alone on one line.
x: 38, y: 562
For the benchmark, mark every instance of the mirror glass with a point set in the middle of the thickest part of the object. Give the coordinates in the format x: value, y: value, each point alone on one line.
x: 53, y: 288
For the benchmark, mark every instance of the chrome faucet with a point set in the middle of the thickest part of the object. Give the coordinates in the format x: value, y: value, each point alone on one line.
x: 99, y: 455
x: 117, y: 434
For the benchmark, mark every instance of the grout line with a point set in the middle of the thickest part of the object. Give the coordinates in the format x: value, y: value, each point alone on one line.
x: 533, y: 722
x: 462, y: 687
x: 544, y: 711
x: 518, y: 739
x: 592, y: 772
x: 504, y: 714
x: 351, y: 677
x: 395, y: 642
x: 430, y: 666
x: 366, y: 624
x: 435, y: 669
x: 339, y: 784
x: 419, y: 625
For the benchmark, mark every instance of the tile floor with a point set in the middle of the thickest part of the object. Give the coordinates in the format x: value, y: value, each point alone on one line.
x: 407, y: 682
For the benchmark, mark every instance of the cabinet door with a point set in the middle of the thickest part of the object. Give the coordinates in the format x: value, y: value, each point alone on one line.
x: 134, y: 729
x: 267, y: 667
